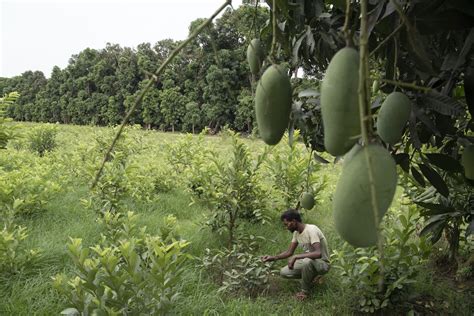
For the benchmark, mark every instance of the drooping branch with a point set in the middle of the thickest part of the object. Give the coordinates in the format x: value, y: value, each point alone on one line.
x: 152, y: 81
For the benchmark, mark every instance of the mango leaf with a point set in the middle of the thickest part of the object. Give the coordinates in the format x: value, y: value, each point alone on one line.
x: 376, y: 104
x: 415, y: 139
x: 320, y: 159
x: 436, y: 207
x: 402, y: 159
x: 435, y: 179
x: 418, y: 51
x: 388, y: 10
x: 443, y: 104
x: 425, y: 119
x: 461, y: 60
x: 443, y: 21
x: 444, y: 162
x: 296, y: 48
x: 373, y: 16
x: 466, y: 6
x: 469, y: 87
x: 435, y: 226
x: 418, y: 177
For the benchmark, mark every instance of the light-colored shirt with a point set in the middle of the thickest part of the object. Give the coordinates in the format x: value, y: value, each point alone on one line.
x: 310, y: 235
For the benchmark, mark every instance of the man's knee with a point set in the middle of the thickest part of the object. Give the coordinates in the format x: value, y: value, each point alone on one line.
x: 321, y: 266
x: 307, y: 265
x: 285, y: 272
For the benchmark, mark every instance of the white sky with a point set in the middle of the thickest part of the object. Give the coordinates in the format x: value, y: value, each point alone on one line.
x: 39, y: 34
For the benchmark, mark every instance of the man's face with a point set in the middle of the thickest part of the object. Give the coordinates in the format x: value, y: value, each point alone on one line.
x: 290, y: 225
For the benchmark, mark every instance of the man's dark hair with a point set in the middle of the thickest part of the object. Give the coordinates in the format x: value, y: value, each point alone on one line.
x: 291, y: 214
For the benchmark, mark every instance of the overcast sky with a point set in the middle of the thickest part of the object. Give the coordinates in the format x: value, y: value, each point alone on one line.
x: 39, y: 34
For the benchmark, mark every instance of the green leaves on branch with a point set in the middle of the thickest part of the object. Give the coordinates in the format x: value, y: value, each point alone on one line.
x: 136, y: 274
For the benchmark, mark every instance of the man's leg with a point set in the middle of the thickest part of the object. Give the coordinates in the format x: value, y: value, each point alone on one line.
x: 309, y: 270
x: 294, y: 273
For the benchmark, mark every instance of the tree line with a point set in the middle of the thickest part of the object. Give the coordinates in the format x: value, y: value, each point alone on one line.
x: 207, y: 85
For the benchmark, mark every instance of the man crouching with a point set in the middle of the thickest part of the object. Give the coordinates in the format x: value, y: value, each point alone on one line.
x: 315, y: 259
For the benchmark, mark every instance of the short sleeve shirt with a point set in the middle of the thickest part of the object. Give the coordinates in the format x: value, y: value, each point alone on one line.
x: 310, y: 235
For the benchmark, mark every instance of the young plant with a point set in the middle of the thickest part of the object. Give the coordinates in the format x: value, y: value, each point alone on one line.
x: 6, y: 133
x: 14, y: 257
x: 237, y: 191
x: 43, y: 139
x: 404, y: 255
x: 128, y: 272
x: 238, y: 269
x: 30, y: 182
x: 292, y: 171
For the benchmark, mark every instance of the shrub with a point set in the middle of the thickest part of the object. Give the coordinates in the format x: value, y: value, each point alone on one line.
x: 29, y: 182
x: 122, y: 177
x: 14, y: 257
x: 292, y: 170
x: 6, y: 133
x: 402, y: 258
x: 128, y: 272
x: 234, y: 190
x: 238, y: 269
x: 43, y: 139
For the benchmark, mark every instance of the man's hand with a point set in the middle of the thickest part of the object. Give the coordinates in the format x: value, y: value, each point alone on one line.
x: 291, y: 263
x: 267, y: 258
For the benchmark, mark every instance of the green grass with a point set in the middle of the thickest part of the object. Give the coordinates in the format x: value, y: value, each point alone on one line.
x: 31, y: 292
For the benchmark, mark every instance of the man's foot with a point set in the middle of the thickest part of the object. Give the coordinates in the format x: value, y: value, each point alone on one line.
x: 301, y: 296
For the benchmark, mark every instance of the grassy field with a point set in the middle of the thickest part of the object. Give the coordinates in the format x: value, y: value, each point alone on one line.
x: 63, y: 215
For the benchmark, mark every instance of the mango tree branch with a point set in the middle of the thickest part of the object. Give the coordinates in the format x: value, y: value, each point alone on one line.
x: 152, y: 81
x: 406, y: 85
x: 274, y: 27
x: 362, y: 89
x: 365, y: 121
x: 345, y: 30
x: 382, y: 43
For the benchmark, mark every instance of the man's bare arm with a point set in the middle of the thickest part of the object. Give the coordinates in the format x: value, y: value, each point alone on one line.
x: 315, y: 254
x: 288, y: 253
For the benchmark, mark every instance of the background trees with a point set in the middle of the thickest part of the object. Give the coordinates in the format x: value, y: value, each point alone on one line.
x: 98, y: 86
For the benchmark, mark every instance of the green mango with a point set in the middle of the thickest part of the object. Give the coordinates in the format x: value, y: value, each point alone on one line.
x: 339, y: 102
x: 273, y: 104
x: 255, y: 55
x: 393, y: 116
x: 351, y: 153
x: 352, y: 203
x: 307, y: 200
x: 467, y: 160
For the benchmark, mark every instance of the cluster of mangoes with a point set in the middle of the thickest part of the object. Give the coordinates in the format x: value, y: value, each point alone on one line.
x: 368, y: 181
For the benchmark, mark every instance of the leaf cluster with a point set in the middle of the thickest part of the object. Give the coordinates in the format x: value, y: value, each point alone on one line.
x: 365, y: 269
